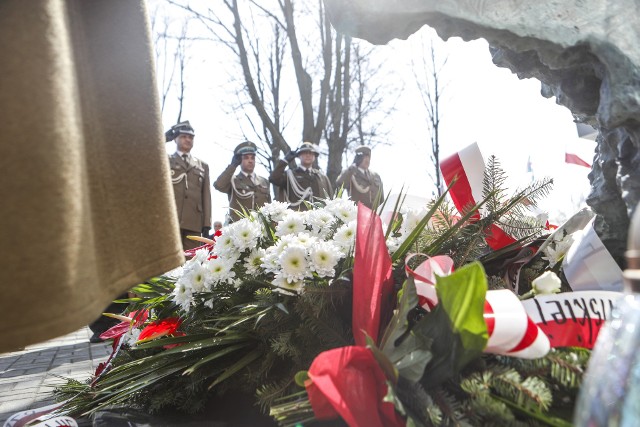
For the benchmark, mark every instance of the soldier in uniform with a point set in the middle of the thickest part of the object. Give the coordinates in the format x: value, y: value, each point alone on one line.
x: 362, y: 184
x: 303, y: 183
x: 246, y: 190
x: 191, y: 185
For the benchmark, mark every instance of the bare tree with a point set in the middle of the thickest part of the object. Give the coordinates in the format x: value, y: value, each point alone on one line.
x: 362, y: 98
x: 171, y: 55
x: 303, y: 45
x: 430, y: 86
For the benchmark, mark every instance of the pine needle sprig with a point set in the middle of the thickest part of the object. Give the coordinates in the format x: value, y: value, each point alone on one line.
x: 452, y: 410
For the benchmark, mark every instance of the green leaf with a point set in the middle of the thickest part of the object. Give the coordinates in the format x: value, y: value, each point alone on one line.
x: 408, y: 351
x: 456, y: 325
x: 240, y: 364
x: 462, y: 295
x: 385, y: 364
x: 399, y: 324
x: 392, y: 397
x: 214, y: 356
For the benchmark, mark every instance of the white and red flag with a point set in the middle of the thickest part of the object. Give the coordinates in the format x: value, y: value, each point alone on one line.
x: 575, y: 160
x: 467, y: 166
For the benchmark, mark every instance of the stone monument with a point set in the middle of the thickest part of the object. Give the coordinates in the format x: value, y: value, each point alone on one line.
x: 586, y: 53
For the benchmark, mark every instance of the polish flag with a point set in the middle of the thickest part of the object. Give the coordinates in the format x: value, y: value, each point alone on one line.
x: 574, y: 159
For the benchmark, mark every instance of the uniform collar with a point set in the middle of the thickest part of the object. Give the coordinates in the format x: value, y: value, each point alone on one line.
x: 180, y: 154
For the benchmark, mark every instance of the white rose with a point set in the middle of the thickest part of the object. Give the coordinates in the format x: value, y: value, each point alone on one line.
x: 547, y: 283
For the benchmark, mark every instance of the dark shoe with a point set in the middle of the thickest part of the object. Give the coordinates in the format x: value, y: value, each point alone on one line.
x: 95, y: 338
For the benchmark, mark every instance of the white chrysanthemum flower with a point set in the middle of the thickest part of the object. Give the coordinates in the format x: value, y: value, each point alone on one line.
x: 324, y: 256
x: 294, y: 263
x: 219, y: 270
x: 194, y: 278
x: 254, y: 261
x: 286, y: 287
x: 292, y: 223
x: 271, y: 259
x: 557, y: 249
x: 320, y: 221
x: 176, y: 273
x: 245, y: 234
x: 305, y: 239
x: 411, y: 219
x: 393, y: 244
x: 342, y: 209
x: 201, y: 256
x: 130, y: 337
x: 275, y: 210
x: 345, y: 236
x: 224, y: 244
x: 182, y: 295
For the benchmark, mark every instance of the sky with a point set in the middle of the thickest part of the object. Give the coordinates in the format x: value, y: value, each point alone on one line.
x: 482, y: 103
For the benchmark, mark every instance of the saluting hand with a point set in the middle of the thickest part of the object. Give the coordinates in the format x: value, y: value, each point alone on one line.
x: 290, y: 156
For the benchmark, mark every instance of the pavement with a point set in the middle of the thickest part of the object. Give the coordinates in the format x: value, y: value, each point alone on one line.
x: 27, y: 377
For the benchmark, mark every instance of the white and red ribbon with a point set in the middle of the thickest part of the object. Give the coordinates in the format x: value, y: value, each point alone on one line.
x: 467, y: 165
x: 511, y: 331
x: 526, y: 329
x: 40, y: 417
x: 571, y: 319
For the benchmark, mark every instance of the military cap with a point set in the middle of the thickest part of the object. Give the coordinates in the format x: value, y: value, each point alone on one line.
x: 307, y: 146
x: 246, y: 147
x: 364, y: 150
x: 177, y: 129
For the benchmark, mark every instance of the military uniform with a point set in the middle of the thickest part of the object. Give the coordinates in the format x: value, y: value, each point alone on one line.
x: 362, y: 185
x: 299, y: 185
x: 243, y: 193
x: 192, y: 191
x: 191, y: 188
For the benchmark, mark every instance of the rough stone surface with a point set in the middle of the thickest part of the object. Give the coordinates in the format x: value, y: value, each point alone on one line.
x: 586, y: 53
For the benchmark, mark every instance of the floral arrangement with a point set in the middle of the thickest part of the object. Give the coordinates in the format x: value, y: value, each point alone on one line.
x: 332, y: 313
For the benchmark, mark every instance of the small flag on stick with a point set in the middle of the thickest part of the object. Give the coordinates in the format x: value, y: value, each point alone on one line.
x: 574, y: 159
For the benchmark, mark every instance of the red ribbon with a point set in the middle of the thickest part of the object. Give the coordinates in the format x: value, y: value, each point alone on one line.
x: 372, y: 281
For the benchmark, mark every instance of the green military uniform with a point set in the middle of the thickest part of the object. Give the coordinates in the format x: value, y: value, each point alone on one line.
x: 192, y: 190
x: 244, y: 192
x: 362, y: 185
x: 299, y: 184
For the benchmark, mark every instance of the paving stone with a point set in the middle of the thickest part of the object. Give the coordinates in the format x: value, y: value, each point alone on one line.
x: 16, y: 405
x: 28, y: 384
x: 27, y: 378
x: 7, y: 387
x: 19, y: 394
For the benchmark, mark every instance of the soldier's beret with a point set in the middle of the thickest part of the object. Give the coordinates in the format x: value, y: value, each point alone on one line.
x: 364, y: 150
x: 307, y: 146
x: 246, y: 148
x: 177, y: 129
